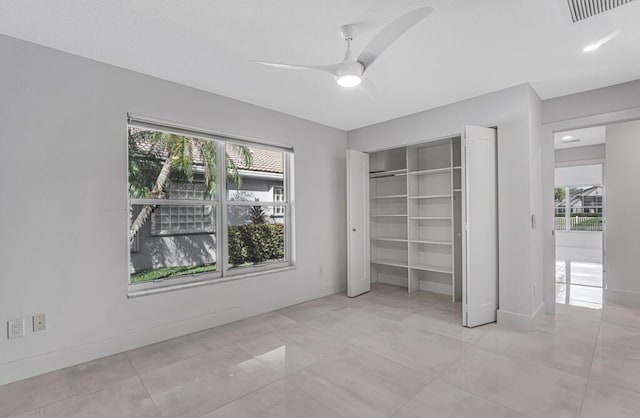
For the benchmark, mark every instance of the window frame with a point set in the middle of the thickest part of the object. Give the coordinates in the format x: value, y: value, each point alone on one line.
x: 220, y: 204
x: 288, y: 260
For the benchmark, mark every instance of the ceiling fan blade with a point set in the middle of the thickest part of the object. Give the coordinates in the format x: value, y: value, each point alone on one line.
x: 368, y: 88
x: 331, y: 69
x: 390, y: 34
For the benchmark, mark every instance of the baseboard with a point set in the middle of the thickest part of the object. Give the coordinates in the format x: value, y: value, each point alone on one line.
x: 539, y: 312
x: 392, y: 280
x: 621, y: 297
x: 519, y: 321
x: 441, y: 288
x: 71, y: 356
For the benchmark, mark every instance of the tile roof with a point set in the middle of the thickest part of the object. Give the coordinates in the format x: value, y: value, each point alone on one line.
x: 264, y: 160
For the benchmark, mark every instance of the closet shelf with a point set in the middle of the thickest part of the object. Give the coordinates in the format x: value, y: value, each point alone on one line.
x: 390, y: 216
x: 394, y: 263
x: 395, y: 196
x: 457, y: 190
x: 399, y: 172
x: 388, y: 239
x: 431, y: 171
x: 429, y: 267
x: 457, y: 167
x: 435, y: 218
x: 430, y: 241
x: 435, y: 196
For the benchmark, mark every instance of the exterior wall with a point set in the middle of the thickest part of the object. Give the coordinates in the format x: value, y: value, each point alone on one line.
x: 67, y: 215
x: 198, y: 249
x: 254, y: 189
x: 173, y: 250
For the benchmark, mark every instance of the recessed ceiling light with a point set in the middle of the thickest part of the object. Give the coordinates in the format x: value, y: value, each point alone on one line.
x: 591, y: 47
x: 596, y: 45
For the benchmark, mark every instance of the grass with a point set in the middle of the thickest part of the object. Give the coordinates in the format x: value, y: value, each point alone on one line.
x: 166, y: 272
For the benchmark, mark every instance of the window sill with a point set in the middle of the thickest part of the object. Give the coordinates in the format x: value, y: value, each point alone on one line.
x: 180, y: 286
x: 574, y: 232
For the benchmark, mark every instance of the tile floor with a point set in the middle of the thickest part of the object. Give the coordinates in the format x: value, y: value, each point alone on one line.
x: 579, y: 283
x: 382, y: 354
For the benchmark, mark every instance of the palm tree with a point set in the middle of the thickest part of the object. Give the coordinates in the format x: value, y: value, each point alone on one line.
x: 179, y: 150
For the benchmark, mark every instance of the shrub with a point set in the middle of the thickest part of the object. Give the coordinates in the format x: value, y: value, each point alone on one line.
x: 256, y: 243
x: 586, y: 215
x: 237, y: 250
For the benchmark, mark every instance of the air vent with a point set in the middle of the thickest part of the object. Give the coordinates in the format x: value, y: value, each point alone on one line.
x: 583, y: 9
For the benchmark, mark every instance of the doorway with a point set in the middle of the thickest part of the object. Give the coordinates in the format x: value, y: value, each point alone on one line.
x: 579, y: 216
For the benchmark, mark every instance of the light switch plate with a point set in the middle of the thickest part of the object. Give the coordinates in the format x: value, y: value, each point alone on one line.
x: 15, y: 328
x: 39, y: 322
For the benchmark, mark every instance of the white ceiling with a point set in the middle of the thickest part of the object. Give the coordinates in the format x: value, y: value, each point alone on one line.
x: 586, y: 136
x: 465, y: 48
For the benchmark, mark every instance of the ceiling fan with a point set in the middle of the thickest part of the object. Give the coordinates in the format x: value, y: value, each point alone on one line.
x: 350, y: 71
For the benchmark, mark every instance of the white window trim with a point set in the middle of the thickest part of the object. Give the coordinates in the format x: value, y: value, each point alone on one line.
x: 223, y: 272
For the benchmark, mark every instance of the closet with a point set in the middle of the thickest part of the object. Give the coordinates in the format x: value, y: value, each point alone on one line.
x: 433, y: 219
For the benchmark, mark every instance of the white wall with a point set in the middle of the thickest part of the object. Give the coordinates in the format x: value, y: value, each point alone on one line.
x: 580, y: 175
x: 63, y: 209
x: 593, y: 102
x: 580, y: 155
x: 535, y: 201
x: 580, y: 239
x: 622, y: 235
x: 582, y: 246
x: 516, y: 113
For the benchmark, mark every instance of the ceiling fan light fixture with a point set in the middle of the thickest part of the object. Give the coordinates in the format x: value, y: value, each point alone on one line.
x: 349, y: 80
x: 350, y: 71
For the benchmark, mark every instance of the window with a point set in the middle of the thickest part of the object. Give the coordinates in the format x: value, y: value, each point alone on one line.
x: 578, y: 208
x: 278, y: 196
x: 256, y: 214
x: 180, y: 230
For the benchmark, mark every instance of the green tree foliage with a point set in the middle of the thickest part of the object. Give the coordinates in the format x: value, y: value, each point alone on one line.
x: 179, y: 163
x: 257, y: 215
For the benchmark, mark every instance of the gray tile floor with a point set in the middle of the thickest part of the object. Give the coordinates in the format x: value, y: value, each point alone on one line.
x: 382, y: 354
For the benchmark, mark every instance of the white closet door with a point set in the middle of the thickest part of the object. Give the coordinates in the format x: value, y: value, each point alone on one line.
x: 480, y: 227
x: 358, y: 267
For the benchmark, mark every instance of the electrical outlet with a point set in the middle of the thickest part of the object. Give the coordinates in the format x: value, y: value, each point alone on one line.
x: 15, y: 328
x: 39, y: 322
